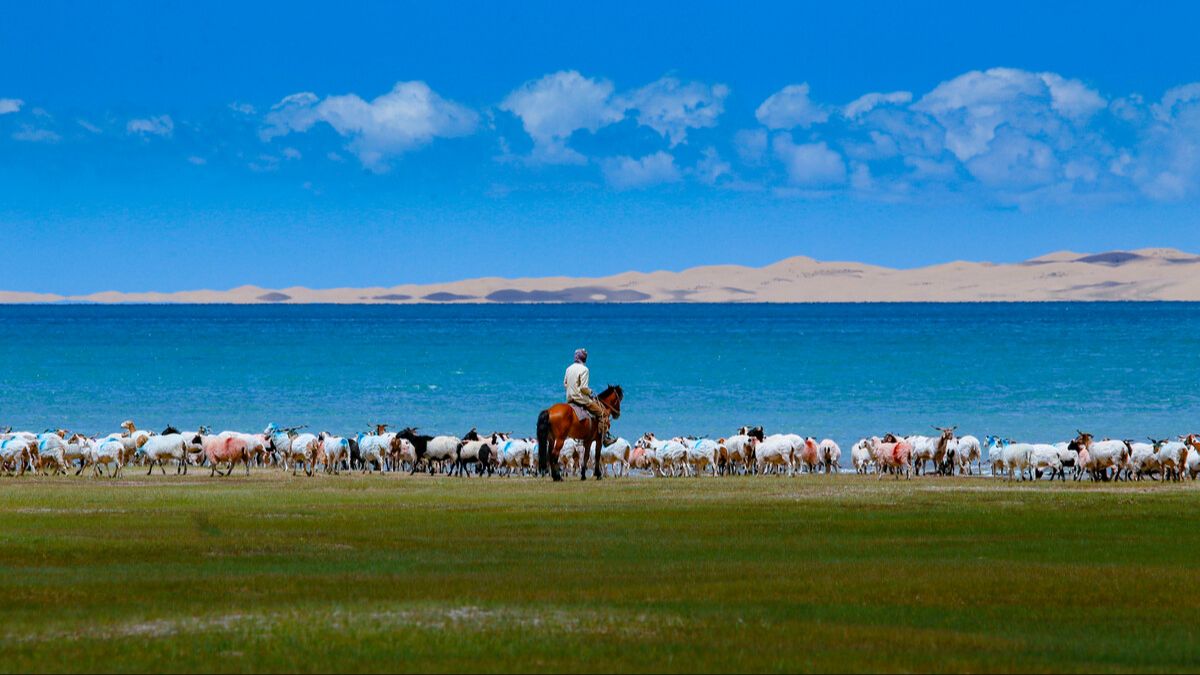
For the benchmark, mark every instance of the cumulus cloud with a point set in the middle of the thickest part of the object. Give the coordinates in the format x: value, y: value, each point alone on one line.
x: 162, y: 126
x: 554, y: 107
x: 791, y: 107
x: 407, y: 117
x: 671, y: 107
x: 627, y: 173
x: 972, y: 106
x: 1165, y: 163
x: 809, y: 164
x: 10, y: 105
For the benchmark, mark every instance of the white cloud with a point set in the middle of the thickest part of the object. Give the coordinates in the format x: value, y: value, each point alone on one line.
x: 868, y: 102
x: 711, y: 169
x: 243, y: 108
x: 1072, y: 98
x: 152, y: 126
x: 671, y: 107
x: 809, y: 164
x: 1176, y: 100
x: 291, y: 153
x: 751, y: 145
x: 10, y: 105
x: 1015, y: 161
x: 556, y: 106
x: 197, y: 160
x: 31, y: 134
x: 88, y: 126
x: 407, y: 117
x: 625, y: 173
x: 1165, y: 164
x: 972, y: 106
x: 791, y: 107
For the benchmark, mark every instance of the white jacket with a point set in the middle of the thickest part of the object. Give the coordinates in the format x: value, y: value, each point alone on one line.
x: 576, y: 383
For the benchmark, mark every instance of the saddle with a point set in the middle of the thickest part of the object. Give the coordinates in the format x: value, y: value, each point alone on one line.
x: 581, y: 413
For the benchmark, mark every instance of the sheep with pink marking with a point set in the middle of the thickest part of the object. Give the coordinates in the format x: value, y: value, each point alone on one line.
x: 224, y: 448
x: 892, y: 454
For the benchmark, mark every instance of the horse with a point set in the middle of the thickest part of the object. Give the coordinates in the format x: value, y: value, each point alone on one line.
x: 558, y: 423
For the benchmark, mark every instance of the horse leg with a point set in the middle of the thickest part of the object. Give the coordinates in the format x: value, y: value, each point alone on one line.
x: 598, y: 471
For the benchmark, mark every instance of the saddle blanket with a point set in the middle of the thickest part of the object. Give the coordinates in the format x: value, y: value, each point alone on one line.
x: 581, y: 413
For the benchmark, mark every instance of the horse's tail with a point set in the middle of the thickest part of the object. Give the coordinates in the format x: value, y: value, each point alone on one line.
x: 543, y: 439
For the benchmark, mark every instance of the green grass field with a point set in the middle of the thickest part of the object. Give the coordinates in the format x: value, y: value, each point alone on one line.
x: 273, y: 573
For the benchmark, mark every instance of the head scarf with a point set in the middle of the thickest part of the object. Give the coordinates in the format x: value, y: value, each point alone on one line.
x: 581, y: 356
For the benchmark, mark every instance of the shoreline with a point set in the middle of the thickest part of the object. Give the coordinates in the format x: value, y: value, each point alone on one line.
x: 1143, y: 275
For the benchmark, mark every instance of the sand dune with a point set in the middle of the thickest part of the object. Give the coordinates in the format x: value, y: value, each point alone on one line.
x: 1144, y: 274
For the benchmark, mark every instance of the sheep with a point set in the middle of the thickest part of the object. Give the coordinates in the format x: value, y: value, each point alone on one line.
x: 52, y: 451
x: 335, y: 451
x: 702, y: 454
x: 774, y: 451
x: 17, y: 453
x: 966, y: 452
x: 514, y: 454
x: 860, y: 456
x: 945, y: 449
x: 1172, y: 457
x: 102, y: 452
x: 924, y: 449
x: 1191, y: 463
x: 224, y: 448
x: 740, y: 449
x: 1103, y: 455
x: 892, y: 454
x: 477, y: 451
x: 616, y: 454
x: 1143, y: 460
x: 1009, y: 458
x: 1046, y: 456
x: 809, y: 458
x: 830, y: 454
x: 156, y: 449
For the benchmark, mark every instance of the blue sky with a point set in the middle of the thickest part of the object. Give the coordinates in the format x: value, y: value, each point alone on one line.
x: 169, y: 146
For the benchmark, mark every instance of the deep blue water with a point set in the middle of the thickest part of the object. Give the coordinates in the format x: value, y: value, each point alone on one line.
x: 1030, y: 371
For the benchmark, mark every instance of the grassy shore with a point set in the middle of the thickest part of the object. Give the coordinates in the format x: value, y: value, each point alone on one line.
x: 273, y: 573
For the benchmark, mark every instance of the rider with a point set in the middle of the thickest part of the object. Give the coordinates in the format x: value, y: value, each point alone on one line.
x: 579, y: 393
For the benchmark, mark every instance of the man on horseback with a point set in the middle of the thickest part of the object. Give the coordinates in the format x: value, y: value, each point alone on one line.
x: 579, y: 393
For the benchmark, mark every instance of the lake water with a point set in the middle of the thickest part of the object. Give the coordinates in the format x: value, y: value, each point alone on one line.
x: 1029, y: 371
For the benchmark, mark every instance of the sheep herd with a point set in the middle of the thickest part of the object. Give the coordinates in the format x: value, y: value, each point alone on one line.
x: 749, y: 451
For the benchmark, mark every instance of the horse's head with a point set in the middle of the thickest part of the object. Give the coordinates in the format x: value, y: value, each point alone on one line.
x: 611, y: 398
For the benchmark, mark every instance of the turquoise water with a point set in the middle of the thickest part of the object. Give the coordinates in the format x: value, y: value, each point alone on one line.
x: 1030, y: 371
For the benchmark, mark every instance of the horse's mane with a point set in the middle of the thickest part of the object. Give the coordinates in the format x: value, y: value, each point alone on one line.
x: 610, y: 389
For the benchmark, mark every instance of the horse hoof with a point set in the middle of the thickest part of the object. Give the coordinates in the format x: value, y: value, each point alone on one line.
x: 583, y: 477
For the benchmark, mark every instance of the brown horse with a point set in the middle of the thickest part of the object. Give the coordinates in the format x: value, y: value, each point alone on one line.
x: 558, y: 423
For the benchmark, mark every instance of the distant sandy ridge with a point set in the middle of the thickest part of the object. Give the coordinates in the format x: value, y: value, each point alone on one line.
x: 1143, y: 274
